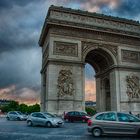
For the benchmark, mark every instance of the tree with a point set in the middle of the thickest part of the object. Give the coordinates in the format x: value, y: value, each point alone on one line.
x: 15, y: 106
x: 34, y: 108
x: 4, y: 108
x: 90, y: 111
x: 23, y: 108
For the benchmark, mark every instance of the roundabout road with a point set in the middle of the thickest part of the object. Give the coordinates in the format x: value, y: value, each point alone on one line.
x: 18, y: 130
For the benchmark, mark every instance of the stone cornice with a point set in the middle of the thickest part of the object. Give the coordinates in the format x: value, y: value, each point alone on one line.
x: 91, y: 14
x: 131, y: 101
x: 92, y: 27
x: 60, y: 62
x: 81, y: 19
x: 119, y: 67
x: 65, y: 100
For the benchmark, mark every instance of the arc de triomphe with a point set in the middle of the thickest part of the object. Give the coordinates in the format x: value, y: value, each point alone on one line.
x: 70, y: 39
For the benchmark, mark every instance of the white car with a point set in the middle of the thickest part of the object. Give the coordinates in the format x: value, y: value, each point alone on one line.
x: 44, y: 119
x: 16, y: 115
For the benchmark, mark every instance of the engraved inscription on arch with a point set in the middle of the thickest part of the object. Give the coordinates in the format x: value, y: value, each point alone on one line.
x: 130, y: 56
x: 65, y: 49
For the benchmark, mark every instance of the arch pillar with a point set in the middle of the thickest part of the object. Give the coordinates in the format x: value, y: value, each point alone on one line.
x: 114, y: 88
x: 43, y: 91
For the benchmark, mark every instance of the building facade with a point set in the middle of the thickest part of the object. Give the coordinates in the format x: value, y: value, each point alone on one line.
x: 70, y: 39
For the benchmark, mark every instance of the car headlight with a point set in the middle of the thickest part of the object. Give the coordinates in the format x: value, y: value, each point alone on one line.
x: 53, y: 120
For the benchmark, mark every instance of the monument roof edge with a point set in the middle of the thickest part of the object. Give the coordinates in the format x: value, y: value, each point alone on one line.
x: 94, y: 14
x: 80, y: 12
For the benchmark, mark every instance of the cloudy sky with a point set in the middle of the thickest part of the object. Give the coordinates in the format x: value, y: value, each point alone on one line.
x: 20, y: 56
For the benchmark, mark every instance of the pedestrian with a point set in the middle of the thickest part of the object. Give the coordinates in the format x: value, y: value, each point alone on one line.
x: 130, y: 112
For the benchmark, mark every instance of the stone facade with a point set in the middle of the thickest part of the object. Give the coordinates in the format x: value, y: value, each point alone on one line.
x: 71, y: 38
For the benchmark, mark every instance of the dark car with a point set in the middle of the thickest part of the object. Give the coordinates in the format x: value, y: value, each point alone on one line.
x: 114, y: 123
x: 76, y: 116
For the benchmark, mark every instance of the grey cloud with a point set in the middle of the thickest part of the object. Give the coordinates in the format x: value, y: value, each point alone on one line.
x: 11, y: 39
x: 20, y: 29
x: 21, y: 68
x: 8, y: 4
x: 20, y: 55
x: 129, y: 8
x: 126, y: 9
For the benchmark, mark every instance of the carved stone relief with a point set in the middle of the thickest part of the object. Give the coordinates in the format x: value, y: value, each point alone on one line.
x: 133, y: 86
x: 65, y: 83
x: 65, y: 49
x: 130, y: 56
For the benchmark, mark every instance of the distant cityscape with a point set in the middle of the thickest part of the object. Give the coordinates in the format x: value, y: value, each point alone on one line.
x: 4, y: 102
x: 90, y: 104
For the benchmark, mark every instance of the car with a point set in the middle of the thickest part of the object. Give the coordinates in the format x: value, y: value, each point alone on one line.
x: 113, y: 123
x: 44, y: 119
x: 76, y: 116
x: 16, y: 115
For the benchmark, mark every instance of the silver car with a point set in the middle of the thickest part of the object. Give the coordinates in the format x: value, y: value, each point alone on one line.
x: 16, y: 115
x: 44, y: 119
x: 114, y: 123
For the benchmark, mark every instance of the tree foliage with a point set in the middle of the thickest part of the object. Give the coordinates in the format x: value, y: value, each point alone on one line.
x: 90, y: 111
x: 33, y: 108
x: 15, y: 106
x: 23, y: 108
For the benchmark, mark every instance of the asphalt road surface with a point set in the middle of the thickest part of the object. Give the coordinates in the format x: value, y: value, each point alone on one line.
x: 18, y: 130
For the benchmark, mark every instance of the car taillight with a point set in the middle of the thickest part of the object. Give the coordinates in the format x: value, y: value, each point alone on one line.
x: 89, y: 122
x: 87, y: 117
x: 65, y: 115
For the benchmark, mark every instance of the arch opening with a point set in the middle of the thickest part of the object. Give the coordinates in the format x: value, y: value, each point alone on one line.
x: 97, y: 77
x: 99, y: 59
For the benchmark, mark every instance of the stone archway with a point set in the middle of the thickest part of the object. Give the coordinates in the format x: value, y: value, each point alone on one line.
x: 101, y: 61
x: 71, y: 38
